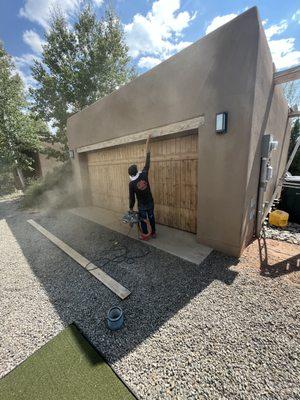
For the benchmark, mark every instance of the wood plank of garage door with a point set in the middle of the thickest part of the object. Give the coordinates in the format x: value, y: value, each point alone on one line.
x: 173, y: 178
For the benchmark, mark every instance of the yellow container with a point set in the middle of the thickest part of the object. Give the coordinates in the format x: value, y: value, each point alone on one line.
x: 278, y: 218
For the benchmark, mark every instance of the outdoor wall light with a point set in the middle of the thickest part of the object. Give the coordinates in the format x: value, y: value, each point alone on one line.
x: 221, y: 122
x: 71, y: 153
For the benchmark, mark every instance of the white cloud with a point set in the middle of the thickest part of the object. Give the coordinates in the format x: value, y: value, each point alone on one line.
x: 283, y: 50
x: 156, y: 33
x: 284, y: 53
x: 148, y: 62
x: 276, y: 29
x: 22, y: 66
x: 26, y: 60
x: 164, y: 15
x: 219, y: 21
x: 98, y: 3
x: 33, y: 40
x: 40, y: 10
x: 181, y: 45
x: 27, y: 79
x: 296, y: 16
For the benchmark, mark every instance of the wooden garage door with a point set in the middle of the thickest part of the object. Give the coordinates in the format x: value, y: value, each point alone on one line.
x: 173, y: 178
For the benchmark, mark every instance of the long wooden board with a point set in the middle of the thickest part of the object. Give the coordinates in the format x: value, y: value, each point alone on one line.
x: 294, y: 114
x: 162, y: 131
x: 102, y: 276
x: 287, y: 75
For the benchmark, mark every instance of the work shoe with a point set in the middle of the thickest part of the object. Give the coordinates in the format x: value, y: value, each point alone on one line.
x: 144, y: 237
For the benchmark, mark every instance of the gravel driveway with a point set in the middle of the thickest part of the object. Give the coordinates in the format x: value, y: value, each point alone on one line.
x: 214, y: 331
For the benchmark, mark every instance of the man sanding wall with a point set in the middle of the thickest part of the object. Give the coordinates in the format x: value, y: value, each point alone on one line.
x: 139, y: 188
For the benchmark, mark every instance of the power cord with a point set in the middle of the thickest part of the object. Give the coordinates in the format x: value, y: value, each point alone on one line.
x: 117, y: 253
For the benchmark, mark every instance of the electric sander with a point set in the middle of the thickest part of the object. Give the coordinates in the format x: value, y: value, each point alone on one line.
x: 133, y: 218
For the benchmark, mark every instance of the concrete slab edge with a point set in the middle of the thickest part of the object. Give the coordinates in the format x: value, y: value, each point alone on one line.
x: 102, y: 276
x: 194, y: 260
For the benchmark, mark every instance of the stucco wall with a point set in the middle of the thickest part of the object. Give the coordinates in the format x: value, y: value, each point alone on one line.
x: 48, y: 164
x: 223, y: 158
x: 228, y: 70
x: 177, y: 89
x: 270, y: 111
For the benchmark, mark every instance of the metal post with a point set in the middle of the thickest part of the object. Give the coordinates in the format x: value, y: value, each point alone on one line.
x: 281, y: 179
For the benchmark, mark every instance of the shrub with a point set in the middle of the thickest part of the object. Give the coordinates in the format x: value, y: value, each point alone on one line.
x: 52, y: 191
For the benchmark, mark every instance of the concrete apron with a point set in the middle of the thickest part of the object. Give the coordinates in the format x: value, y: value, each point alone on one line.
x: 174, y: 241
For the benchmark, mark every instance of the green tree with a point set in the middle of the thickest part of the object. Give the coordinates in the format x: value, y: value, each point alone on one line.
x: 18, y: 129
x: 79, y: 66
x: 295, y: 134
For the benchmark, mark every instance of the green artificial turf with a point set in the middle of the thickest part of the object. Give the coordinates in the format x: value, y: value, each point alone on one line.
x: 67, y: 367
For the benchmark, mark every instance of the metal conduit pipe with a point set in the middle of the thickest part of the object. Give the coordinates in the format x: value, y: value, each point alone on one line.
x: 261, y: 210
x: 268, y: 145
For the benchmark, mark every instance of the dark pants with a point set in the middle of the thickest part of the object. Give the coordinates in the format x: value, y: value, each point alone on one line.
x: 150, y: 214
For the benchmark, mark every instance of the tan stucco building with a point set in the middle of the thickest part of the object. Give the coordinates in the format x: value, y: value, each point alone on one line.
x: 203, y: 181
x: 47, y: 164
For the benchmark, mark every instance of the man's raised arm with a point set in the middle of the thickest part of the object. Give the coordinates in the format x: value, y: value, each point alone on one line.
x: 147, y: 164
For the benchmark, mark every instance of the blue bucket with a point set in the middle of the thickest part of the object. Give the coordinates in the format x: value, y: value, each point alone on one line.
x: 115, y: 318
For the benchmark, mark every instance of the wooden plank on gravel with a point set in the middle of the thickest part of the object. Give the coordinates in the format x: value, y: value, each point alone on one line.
x: 59, y: 243
x: 108, y: 281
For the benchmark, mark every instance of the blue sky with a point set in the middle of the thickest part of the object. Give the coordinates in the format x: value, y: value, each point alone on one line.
x: 154, y: 30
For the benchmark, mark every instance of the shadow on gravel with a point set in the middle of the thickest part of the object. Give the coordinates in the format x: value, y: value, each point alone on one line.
x: 287, y: 266
x: 8, y: 208
x: 161, y: 284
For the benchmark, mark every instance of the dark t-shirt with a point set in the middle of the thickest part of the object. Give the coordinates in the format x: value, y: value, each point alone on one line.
x: 140, y: 188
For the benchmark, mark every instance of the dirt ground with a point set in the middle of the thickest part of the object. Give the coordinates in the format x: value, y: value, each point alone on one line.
x: 283, y: 260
